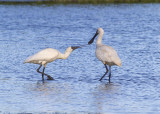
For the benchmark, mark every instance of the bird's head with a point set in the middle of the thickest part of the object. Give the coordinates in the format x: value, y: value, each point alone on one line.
x: 70, y: 49
x: 75, y: 47
x: 99, y: 31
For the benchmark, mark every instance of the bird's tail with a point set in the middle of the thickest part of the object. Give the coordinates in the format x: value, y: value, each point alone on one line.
x: 24, y: 62
x: 27, y: 60
x: 118, y: 62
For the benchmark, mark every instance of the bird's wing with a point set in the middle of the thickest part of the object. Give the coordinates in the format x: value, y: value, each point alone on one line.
x: 108, y: 54
x: 47, y: 55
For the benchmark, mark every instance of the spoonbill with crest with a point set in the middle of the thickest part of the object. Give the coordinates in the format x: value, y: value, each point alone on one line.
x: 48, y: 55
x: 106, y: 54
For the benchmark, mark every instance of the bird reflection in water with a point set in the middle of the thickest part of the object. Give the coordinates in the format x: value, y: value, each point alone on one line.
x: 104, y: 95
x: 56, y: 91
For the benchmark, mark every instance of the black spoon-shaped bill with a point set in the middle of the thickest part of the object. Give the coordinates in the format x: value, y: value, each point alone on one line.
x: 91, y: 41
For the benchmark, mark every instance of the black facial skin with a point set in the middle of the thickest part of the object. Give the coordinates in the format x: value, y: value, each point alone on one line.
x: 75, y: 47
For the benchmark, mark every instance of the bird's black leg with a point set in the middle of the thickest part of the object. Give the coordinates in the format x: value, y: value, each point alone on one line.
x: 43, y: 73
x: 109, y: 74
x: 49, y: 77
x: 39, y: 68
x: 105, y: 72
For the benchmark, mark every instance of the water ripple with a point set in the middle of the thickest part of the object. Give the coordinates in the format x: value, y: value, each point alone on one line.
x: 131, y: 29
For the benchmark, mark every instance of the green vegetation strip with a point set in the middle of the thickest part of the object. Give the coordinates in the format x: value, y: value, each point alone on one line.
x: 76, y: 2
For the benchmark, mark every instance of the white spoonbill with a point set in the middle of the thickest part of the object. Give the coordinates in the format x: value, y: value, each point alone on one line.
x: 48, y: 55
x: 105, y: 53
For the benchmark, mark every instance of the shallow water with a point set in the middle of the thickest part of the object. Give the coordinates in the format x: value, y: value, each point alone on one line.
x: 131, y: 29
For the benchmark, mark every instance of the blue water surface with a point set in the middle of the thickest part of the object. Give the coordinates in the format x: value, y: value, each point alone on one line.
x: 133, y: 30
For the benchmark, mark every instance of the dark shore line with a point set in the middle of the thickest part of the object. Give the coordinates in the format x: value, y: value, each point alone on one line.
x: 50, y: 2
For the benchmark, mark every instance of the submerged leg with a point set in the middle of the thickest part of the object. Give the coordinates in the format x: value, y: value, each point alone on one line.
x: 43, y: 73
x: 109, y: 74
x: 39, y: 68
x: 49, y: 77
x: 105, y: 72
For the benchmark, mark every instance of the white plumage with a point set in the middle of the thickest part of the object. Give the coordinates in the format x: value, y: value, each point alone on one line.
x: 43, y: 57
x: 105, y: 53
x: 48, y: 55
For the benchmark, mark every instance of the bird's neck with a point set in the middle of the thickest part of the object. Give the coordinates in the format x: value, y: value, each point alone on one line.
x: 65, y: 55
x: 99, y: 39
